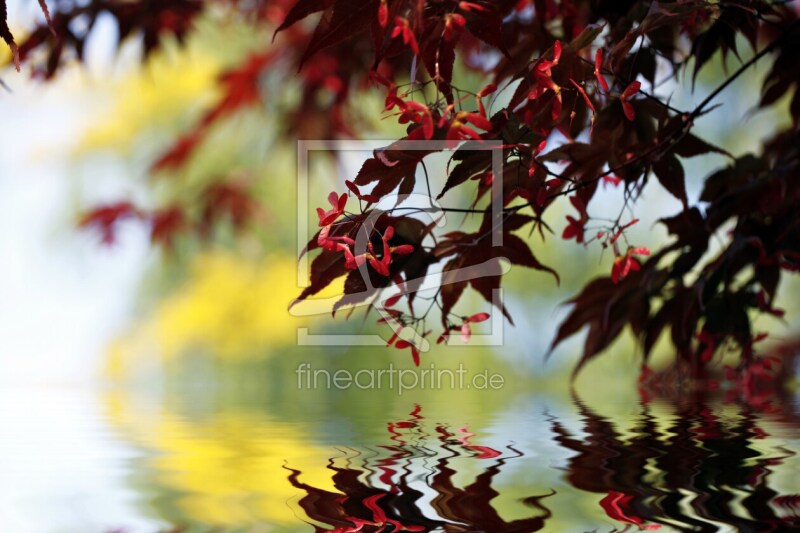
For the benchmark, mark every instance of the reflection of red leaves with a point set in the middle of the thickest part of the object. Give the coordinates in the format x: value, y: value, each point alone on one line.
x: 483, y: 452
x: 616, y: 504
x: 371, y: 503
x: 629, y: 92
x: 379, y: 519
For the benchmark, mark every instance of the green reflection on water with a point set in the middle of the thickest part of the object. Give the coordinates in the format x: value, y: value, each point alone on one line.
x: 222, y: 440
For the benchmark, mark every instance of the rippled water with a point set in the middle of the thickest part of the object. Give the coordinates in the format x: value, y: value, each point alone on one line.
x: 125, y: 460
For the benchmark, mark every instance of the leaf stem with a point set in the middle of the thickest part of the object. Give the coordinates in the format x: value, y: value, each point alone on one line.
x: 700, y: 109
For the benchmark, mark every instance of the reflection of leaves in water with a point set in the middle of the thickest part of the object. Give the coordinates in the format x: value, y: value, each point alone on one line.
x: 691, y: 467
x: 700, y: 458
x: 369, y: 507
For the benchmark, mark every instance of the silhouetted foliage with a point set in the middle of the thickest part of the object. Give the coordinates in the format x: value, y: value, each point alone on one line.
x: 569, y: 100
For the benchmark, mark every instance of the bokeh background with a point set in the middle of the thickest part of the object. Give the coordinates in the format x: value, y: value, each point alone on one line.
x: 142, y: 389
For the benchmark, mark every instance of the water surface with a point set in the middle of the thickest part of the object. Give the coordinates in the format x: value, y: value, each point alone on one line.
x: 206, y: 459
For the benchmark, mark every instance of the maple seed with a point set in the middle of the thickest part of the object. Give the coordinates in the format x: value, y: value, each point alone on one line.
x: 402, y: 28
x: 586, y: 99
x: 454, y: 22
x: 575, y: 227
x: 625, y: 264
x: 402, y: 344
x: 338, y: 204
x: 383, y: 14
x: 369, y: 198
x: 470, y: 6
x: 489, y: 89
x: 543, y: 75
x: 466, y: 330
x: 598, y: 64
x: 629, y: 92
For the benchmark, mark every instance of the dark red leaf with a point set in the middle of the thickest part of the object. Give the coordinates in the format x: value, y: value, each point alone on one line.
x: 343, y: 20
x: 669, y: 172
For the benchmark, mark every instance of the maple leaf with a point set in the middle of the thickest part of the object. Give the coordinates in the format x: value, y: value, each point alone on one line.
x: 394, y: 168
x: 486, y: 23
x: 598, y: 64
x: 241, y: 88
x: 575, y: 226
x: 226, y: 201
x: 300, y: 10
x: 669, y: 172
x: 470, y: 252
x: 166, y: 225
x: 341, y: 20
x: 107, y: 217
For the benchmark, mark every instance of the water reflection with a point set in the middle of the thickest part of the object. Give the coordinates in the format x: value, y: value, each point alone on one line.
x: 695, y: 465
x: 379, y: 493
x: 697, y: 472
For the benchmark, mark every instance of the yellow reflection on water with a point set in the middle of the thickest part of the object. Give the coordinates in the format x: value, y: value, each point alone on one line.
x: 226, y: 471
